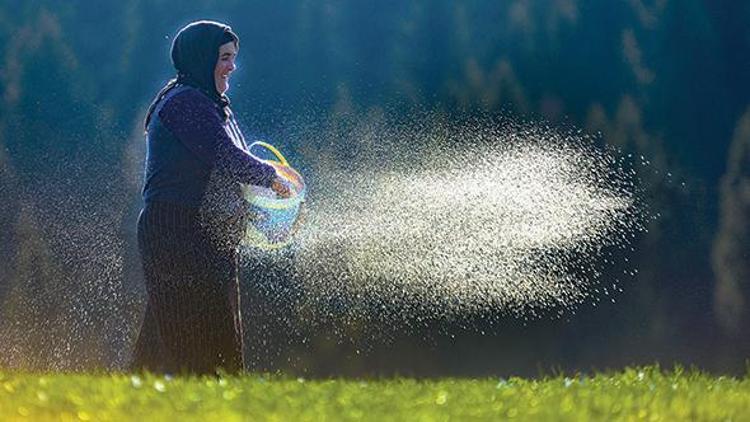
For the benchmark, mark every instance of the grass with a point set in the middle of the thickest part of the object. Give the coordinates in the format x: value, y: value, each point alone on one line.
x: 646, y: 393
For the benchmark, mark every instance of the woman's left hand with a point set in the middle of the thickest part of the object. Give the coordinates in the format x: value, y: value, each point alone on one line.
x: 281, y: 189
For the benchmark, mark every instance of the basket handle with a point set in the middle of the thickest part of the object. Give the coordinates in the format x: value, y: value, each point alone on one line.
x: 276, y: 152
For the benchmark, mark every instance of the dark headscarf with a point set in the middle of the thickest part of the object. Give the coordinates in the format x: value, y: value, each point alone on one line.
x: 195, y: 51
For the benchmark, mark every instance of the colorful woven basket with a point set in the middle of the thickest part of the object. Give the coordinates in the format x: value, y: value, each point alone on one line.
x: 272, y: 218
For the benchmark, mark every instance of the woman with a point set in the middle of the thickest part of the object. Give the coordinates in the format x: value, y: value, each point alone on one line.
x: 194, y: 213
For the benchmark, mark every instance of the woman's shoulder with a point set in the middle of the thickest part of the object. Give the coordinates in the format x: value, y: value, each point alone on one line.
x: 187, y: 98
x: 188, y: 94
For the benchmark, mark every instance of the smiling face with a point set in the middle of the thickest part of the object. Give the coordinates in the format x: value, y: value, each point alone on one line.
x: 224, y: 66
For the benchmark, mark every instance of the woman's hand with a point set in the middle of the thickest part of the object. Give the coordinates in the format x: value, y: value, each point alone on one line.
x: 280, y: 188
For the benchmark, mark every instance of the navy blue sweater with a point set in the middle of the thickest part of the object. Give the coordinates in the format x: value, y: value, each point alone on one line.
x: 197, y: 158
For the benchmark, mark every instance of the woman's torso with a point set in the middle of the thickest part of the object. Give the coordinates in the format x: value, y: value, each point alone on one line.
x: 176, y: 174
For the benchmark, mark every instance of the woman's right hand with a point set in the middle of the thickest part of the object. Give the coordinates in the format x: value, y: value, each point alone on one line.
x: 280, y: 188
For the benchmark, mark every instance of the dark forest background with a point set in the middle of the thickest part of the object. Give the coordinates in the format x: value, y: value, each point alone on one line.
x: 664, y: 79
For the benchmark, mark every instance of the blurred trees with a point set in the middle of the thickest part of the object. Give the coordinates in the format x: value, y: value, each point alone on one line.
x: 731, y: 255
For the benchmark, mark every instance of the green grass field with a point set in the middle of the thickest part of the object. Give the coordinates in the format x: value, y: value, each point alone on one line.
x: 633, y: 394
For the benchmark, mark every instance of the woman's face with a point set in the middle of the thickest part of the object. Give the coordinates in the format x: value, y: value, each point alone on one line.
x: 224, y: 66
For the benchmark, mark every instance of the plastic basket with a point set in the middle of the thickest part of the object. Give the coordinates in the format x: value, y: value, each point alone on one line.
x: 272, y: 218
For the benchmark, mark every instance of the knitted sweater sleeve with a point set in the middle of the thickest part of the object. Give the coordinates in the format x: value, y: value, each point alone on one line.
x: 197, y: 123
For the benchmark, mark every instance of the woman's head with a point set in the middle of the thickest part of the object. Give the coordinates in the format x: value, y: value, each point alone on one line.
x: 203, y: 53
x: 225, y: 66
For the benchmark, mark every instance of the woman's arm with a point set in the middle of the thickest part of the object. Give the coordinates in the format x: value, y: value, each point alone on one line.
x: 195, y: 121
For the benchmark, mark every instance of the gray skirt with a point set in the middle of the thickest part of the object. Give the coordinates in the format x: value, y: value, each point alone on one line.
x: 192, y: 323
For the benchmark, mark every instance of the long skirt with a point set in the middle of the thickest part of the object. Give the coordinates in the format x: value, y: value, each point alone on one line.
x: 192, y: 322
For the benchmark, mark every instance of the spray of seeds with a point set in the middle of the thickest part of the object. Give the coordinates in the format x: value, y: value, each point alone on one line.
x: 422, y: 219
